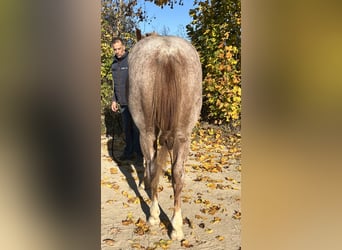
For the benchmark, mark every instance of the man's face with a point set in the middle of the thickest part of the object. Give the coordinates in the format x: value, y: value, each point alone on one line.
x: 119, y: 49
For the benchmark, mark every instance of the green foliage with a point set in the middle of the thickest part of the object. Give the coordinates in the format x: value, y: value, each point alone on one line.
x: 215, y: 32
x: 162, y: 3
x: 106, y: 95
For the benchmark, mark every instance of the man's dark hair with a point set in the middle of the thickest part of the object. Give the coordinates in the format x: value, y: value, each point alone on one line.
x: 117, y: 39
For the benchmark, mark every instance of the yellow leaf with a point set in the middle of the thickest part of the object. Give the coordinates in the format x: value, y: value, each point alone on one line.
x: 199, y: 217
x: 213, y: 209
x: 216, y: 220
x: 109, y: 242
x: 187, y: 221
x: 134, y: 200
x: 211, y: 185
x: 127, y: 222
x: 163, y: 243
x: 113, y: 170
x: 237, y: 215
x: 137, y: 245
x: 219, y: 237
x: 198, y: 201
x: 186, y: 244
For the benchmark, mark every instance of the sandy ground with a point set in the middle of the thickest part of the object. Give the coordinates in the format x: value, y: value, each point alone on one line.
x: 211, y: 204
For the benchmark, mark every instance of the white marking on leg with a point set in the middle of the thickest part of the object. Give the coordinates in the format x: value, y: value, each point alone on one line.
x: 142, y: 186
x: 177, y: 224
x: 154, y: 213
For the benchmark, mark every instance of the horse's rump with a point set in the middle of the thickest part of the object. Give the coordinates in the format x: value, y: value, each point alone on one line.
x: 166, y: 74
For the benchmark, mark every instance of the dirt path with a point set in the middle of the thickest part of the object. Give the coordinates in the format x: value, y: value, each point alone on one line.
x: 210, y: 207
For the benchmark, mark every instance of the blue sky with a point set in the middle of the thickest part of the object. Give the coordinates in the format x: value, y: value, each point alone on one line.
x: 174, y: 20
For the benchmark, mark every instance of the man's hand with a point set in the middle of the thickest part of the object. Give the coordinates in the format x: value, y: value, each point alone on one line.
x: 115, y: 106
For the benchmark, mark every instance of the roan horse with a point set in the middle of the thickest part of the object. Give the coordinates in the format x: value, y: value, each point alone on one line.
x: 165, y: 99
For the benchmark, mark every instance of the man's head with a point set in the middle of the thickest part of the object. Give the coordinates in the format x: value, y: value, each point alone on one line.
x: 118, y: 47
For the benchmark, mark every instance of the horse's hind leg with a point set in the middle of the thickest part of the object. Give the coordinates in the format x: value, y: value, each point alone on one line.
x: 180, y: 152
x: 154, y: 209
x: 148, y: 146
x: 152, y: 173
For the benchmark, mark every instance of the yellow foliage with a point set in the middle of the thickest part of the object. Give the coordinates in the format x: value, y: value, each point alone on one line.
x: 215, y: 32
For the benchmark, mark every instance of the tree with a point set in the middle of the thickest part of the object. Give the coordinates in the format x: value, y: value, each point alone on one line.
x: 216, y: 33
x: 162, y: 3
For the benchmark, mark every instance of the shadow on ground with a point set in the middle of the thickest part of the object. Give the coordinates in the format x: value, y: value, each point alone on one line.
x: 115, y: 147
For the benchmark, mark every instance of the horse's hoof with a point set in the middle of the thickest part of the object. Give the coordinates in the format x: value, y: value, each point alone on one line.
x: 177, y: 235
x: 153, y: 221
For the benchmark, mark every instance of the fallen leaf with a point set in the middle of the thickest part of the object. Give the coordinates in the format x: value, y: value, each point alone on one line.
x: 236, y: 215
x: 223, y: 187
x: 216, y: 220
x: 211, y: 185
x: 115, y: 187
x: 186, y: 244
x: 219, y: 237
x: 109, y: 242
x: 107, y: 158
x: 127, y: 221
x: 141, y: 227
x: 186, y: 199
x: 134, y: 200
x: 113, y: 170
x: 199, y: 217
x: 137, y: 245
x: 198, y: 201
x: 187, y: 221
x: 211, y: 210
x: 164, y: 244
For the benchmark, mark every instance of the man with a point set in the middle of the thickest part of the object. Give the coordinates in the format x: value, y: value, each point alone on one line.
x: 119, y: 101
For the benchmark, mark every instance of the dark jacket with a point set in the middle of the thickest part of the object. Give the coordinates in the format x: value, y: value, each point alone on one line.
x: 120, y: 79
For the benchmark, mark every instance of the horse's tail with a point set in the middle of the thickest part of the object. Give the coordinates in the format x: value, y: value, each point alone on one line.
x: 167, y: 94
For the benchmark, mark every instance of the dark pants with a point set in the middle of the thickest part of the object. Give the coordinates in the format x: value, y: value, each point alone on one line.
x: 131, y: 133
